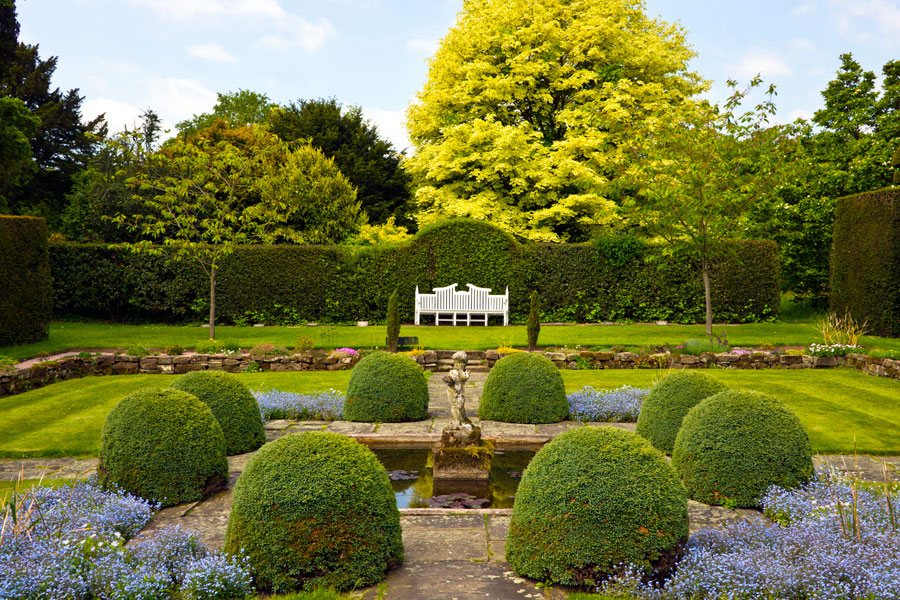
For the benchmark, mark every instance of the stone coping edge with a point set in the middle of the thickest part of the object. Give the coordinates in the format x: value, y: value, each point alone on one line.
x: 20, y: 380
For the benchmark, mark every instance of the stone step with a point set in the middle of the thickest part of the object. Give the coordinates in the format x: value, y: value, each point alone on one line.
x: 449, y: 361
x: 472, y: 354
x: 444, y: 368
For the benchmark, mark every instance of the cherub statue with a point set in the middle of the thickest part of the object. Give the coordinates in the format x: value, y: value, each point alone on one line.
x: 456, y: 389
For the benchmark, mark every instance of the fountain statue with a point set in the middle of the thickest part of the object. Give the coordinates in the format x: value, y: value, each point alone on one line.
x: 461, y: 454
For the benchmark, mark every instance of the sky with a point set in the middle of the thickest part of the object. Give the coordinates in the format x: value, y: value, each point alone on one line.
x: 174, y: 55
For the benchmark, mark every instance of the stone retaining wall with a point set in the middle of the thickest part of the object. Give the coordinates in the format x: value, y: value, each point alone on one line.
x: 20, y: 380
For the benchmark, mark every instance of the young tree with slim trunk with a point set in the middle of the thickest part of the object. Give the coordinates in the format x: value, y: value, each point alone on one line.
x: 194, y: 192
x: 701, y: 168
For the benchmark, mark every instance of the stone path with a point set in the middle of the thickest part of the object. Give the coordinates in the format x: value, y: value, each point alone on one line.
x: 449, y: 555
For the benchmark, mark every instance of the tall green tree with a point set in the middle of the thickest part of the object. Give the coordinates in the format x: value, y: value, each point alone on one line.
x: 236, y: 109
x: 62, y: 144
x: 701, y: 170
x: 523, y: 118
x: 17, y: 125
x: 101, y: 190
x: 370, y: 162
x: 191, y: 196
x: 847, y: 149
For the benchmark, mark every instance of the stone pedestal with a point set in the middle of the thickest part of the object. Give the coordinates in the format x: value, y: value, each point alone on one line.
x: 462, y: 455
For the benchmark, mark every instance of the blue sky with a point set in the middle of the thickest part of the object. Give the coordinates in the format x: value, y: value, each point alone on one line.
x: 174, y: 55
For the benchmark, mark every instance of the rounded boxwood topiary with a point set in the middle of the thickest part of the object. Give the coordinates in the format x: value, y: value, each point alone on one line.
x: 386, y: 388
x: 666, y: 404
x: 315, y: 509
x: 163, y: 445
x: 232, y: 404
x: 591, y: 500
x: 733, y: 446
x: 524, y: 388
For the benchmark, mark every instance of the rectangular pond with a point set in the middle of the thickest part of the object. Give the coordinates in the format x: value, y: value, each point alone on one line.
x: 410, y: 470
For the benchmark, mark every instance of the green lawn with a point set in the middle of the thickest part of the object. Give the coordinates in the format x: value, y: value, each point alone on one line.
x: 69, y: 335
x: 65, y: 419
x: 840, y: 408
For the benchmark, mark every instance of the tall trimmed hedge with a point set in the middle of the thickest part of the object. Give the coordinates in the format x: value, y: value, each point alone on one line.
x: 619, y: 279
x: 26, y: 297
x: 865, y: 260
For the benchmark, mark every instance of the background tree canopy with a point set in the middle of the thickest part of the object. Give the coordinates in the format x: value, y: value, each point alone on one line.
x: 60, y: 145
x: 521, y: 119
x: 370, y: 162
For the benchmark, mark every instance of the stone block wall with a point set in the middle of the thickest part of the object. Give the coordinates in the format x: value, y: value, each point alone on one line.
x: 21, y: 380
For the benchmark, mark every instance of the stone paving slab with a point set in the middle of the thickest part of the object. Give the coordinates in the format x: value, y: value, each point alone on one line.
x: 457, y: 580
x: 46, y: 468
x: 403, y: 428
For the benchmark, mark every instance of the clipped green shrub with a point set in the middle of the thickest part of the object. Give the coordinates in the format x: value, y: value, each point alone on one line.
x: 164, y: 445
x: 736, y: 444
x: 613, y: 280
x: 524, y: 388
x: 386, y: 388
x: 592, y: 499
x: 231, y: 403
x: 26, y: 295
x: 865, y: 260
x: 668, y: 401
x: 315, y: 509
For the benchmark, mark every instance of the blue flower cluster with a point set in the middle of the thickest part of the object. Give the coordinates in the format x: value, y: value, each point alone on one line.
x: 70, y: 543
x: 620, y: 405
x: 828, y: 540
x: 327, y: 405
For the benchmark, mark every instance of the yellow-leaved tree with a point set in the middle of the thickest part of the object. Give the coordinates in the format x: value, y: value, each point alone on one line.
x: 526, y: 104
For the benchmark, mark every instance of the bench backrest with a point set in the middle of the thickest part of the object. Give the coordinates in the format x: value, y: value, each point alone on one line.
x: 472, y: 300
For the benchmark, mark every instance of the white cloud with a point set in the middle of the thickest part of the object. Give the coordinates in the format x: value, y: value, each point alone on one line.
x: 299, y: 33
x: 119, y: 115
x: 178, y: 99
x: 285, y: 30
x: 421, y: 45
x: 212, y: 52
x: 391, y: 125
x: 867, y: 20
x: 192, y: 9
x: 764, y: 62
x: 804, y: 8
x: 802, y: 46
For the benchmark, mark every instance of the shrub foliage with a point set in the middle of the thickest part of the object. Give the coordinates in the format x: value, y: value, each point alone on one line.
x: 591, y: 500
x: 576, y: 282
x: 386, y: 388
x: 231, y: 403
x: 667, y: 403
x: 736, y: 444
x: 315, y: 509
x: 164, y: 445
x: 524, y: 388
x: 25, y: 284
x: 865, y: 260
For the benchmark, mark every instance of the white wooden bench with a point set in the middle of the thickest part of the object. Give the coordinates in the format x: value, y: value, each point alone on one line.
x: 448, y: 305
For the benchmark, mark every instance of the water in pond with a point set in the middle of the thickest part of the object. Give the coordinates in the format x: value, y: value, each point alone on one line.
x: 413, y: 484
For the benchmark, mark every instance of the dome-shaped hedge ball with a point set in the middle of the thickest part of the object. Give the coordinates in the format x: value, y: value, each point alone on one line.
x: 733, y: 446
x: 668, y: 401
x: 315, y: 510
x: 386, y: 388
x: 524, y: 388
x: 591, y: 500
x: 232, y: 404
x: 164, y: 445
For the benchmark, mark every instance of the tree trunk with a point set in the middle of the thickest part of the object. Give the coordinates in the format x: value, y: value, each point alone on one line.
x: 212, y: 302
x: 708, y: 293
